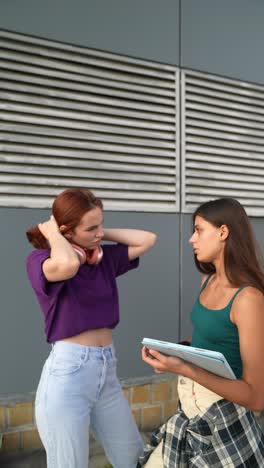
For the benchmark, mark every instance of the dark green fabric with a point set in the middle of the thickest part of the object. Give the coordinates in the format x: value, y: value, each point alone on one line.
x: 214, y: 330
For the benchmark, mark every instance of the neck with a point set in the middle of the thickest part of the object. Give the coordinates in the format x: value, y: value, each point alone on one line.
x: 220, y: 274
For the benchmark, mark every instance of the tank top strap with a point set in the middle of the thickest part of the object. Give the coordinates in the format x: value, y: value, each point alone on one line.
x: 205, y: 283
x: 235, y: 295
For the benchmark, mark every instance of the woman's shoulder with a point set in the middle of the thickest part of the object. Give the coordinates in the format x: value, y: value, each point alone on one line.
x: 249, y: 299
x: 37, y: 255
x: 249, y: 293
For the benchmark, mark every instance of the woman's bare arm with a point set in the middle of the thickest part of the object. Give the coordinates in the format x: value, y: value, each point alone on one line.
x: 138, y: 241
x: 63, y: 262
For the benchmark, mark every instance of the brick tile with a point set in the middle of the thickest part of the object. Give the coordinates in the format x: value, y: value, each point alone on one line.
x: 174, y: 392
x: 2, y: 417
x: 126, y: 392
x: 151, y: 417
x: 31, y: 440
x: 161, y: 391
x: 137, y: 415
x: 11, y: 442
x: 170, y: 408
x: 140, y: 394
x: 21, y: 414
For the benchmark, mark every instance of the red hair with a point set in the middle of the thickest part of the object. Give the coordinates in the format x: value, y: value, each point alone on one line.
x: 68, y: 208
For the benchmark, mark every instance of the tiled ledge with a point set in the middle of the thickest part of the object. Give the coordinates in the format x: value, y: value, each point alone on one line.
x: 152, y: 400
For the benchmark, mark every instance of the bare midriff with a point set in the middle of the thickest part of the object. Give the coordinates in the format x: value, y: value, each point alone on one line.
x: 99, y: 337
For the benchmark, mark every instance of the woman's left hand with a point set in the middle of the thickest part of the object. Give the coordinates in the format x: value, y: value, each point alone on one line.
x: 162, y: 363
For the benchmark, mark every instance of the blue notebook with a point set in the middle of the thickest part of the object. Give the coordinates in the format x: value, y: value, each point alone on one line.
x: 211, y: 361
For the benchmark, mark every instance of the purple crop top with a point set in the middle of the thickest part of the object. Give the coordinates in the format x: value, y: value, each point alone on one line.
x: 87, y: 301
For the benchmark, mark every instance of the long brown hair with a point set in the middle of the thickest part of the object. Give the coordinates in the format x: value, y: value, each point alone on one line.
x: 68, y: 208
x: 242, y: 257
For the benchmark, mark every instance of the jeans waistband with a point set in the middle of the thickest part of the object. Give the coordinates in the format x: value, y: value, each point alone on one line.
x: 100, y: 352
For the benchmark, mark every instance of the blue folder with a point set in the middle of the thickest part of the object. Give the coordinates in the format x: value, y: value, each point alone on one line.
x: 211, y: 361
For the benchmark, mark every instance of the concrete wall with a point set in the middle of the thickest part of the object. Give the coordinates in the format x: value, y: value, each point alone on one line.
x: 223, y: 37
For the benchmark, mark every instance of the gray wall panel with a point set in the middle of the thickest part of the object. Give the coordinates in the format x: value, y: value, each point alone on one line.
x: 223, y: 37
x: 149, y: 300
x: 145, y: 29
x: 190, y: 278
x: 150, y: 304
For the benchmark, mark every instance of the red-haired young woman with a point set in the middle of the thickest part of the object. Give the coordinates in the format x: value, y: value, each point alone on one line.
x: 74, y: 278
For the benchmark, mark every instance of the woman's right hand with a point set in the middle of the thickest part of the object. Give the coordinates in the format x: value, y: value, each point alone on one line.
x: 48, y: 228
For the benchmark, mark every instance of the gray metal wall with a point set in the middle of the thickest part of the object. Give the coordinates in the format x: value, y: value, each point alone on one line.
x: 219, y: 37
x: 139, y: 28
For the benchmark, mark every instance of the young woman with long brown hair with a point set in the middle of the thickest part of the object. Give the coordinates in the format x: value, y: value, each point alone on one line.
x: 215, y: 426
x: 74, y: 278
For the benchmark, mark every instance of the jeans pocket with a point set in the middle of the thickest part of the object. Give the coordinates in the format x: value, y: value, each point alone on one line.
x: 64, y: 364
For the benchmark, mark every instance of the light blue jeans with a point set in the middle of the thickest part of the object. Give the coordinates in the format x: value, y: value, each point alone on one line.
x: 79, y: 390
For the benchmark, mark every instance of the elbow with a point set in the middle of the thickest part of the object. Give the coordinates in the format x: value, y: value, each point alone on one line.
x: 69, y: 269
x: 257, y: 404
x: 152, y: 239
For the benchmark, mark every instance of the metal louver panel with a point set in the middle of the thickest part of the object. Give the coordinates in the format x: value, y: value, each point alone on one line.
x: 74, y: 117
x: 223, y: 141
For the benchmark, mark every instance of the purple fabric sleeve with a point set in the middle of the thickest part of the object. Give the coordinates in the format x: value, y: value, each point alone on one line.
x: 118, y: 254
x: 36, y: 276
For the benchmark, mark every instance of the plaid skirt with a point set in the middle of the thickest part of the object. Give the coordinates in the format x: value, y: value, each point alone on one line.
x: 225, y: 435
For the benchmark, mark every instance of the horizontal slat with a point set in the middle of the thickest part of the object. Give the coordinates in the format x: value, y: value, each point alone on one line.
x: 77, y: 163
x: 23, y: 152
x: 126, y: 103
x: 75, y: 77
x: 201, y: 150
x: 248, y: 161
x: 227, y: 86
x: 99, y: 173
x: 72, y: 116
x: 126, y: 205
x: 207, y: 118
x: 14, y: 80
x: 229, y: 165
x: 223, y: 143
x: 227, y: 192
x: 50, y: 191
x: 223, y: 131
x: 225, y: 111
x: 141, y: 121
x: 63, y: 47
x: 128, y: 95
x: 97, y: 111
x: 68, y: 143
x: 77, y: 129
x: 50, y: 58
x: 223, y: 182
x: 224, y: 95
x: 72, y: 181
x: 226, y: 127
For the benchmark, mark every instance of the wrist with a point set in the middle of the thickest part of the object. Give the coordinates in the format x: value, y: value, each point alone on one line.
x: 54, y: 236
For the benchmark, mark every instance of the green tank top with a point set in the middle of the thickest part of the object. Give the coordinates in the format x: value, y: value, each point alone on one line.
x: 213, y: 329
